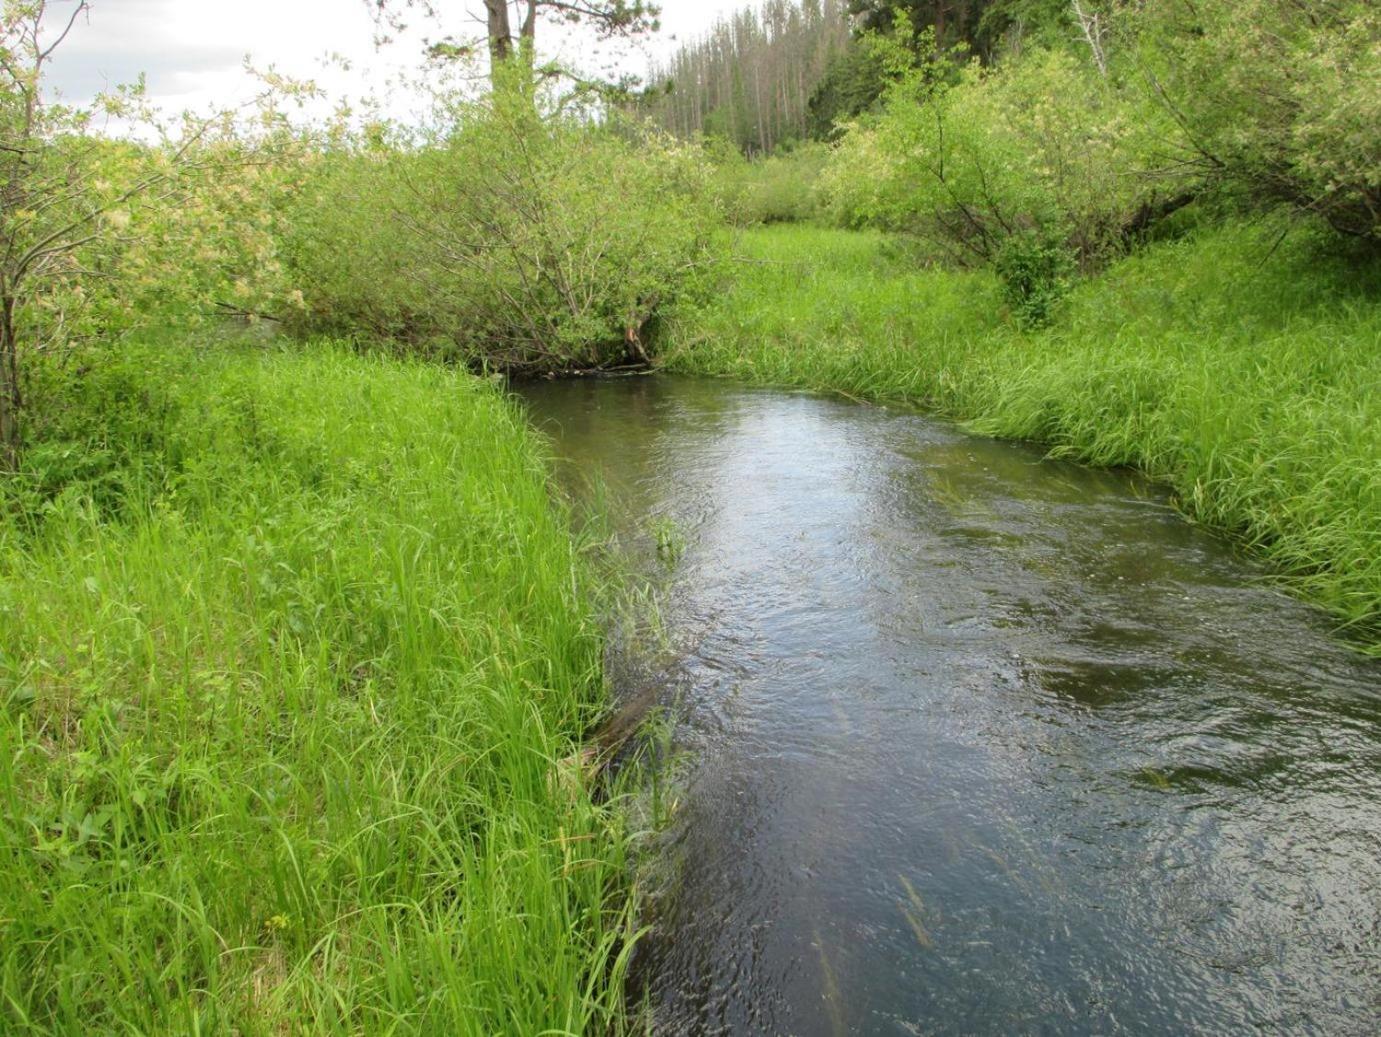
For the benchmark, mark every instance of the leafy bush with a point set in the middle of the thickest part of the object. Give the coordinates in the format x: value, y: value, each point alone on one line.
x: 518, y: 242
x: 98, y: 233
x: 1035, y: 274
x: 1043, y: 146
x: 782, y: 188
x: 1275, y: 98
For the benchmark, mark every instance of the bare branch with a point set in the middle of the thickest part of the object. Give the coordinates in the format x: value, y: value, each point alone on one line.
x: 82, y: 7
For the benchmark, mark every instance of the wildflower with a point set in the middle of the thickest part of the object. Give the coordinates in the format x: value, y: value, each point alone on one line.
x: 277, y: 923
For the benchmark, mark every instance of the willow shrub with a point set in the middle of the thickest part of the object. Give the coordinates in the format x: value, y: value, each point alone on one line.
x: 1033, y: 166
x: 781, y: 188
x: 1041, y: 146
x: 516, y: 241
x: 1275, y: 98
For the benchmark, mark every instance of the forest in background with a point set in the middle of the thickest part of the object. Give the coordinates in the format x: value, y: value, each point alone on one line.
x: 784, y: 72
x: 756, y: 79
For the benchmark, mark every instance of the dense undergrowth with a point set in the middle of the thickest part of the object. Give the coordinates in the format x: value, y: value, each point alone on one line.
x: 496, y: 244
x: 1243, y: 371
x: 291, y: 673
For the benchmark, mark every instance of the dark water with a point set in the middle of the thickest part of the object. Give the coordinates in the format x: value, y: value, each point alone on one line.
x: 983, y: 743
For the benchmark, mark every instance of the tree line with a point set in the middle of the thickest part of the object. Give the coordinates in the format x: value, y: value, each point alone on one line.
x: 751, y: 79
x: 793, y: 70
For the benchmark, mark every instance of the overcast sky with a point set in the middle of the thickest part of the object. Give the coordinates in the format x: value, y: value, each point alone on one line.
x: 193, y: 51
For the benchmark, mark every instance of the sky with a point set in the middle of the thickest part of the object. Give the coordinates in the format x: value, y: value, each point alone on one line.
x: 193, y: 51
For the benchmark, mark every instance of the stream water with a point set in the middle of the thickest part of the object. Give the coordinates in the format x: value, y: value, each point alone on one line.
x: 982, y: 743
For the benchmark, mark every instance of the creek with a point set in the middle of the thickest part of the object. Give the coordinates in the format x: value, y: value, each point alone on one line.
x: 981, y: 742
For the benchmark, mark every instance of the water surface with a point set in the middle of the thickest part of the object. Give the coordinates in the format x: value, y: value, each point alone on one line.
x: 982, y: 743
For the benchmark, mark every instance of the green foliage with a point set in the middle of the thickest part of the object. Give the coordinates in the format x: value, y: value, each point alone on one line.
x: 289, y: 738
x: 990, y: 29
x: 102, y: 419
x: 1240, y: 370
x: 1137, y: 110
x: 177, y: 228
x: 1042, y: 146
x: 1036, y: 274
x: 98, y: 235
x: 518, y: 242
x: 361, y: 194
x: 1087, y: 143
x: 1275, y: 98
x: 852, y: 84
x: 950, y: 22
x: 1007, y: 26
x: 783, y: 188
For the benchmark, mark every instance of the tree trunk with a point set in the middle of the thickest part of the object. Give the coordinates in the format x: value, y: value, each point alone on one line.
x: 500, y: 33
x: 10, y: 398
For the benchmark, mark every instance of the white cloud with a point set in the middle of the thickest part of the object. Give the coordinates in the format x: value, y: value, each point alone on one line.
x: 192, y: 51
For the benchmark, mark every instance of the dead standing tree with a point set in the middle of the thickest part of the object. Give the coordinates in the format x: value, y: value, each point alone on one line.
x: 1094, y: 27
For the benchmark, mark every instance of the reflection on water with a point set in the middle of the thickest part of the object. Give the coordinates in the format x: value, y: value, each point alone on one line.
x: 985, y: 743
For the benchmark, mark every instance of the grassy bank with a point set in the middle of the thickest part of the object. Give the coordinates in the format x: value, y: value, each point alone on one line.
x: 1242, y: 371
x: 288, y: 676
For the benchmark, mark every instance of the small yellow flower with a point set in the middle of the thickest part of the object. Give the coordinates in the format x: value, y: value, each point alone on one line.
x: 277, y: 923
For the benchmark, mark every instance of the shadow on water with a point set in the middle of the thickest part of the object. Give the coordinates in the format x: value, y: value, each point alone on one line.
x: 984, y: 743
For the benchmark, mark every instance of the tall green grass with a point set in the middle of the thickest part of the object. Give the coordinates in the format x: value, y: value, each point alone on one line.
x: 288, y: 718
x: 1242, y: 371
